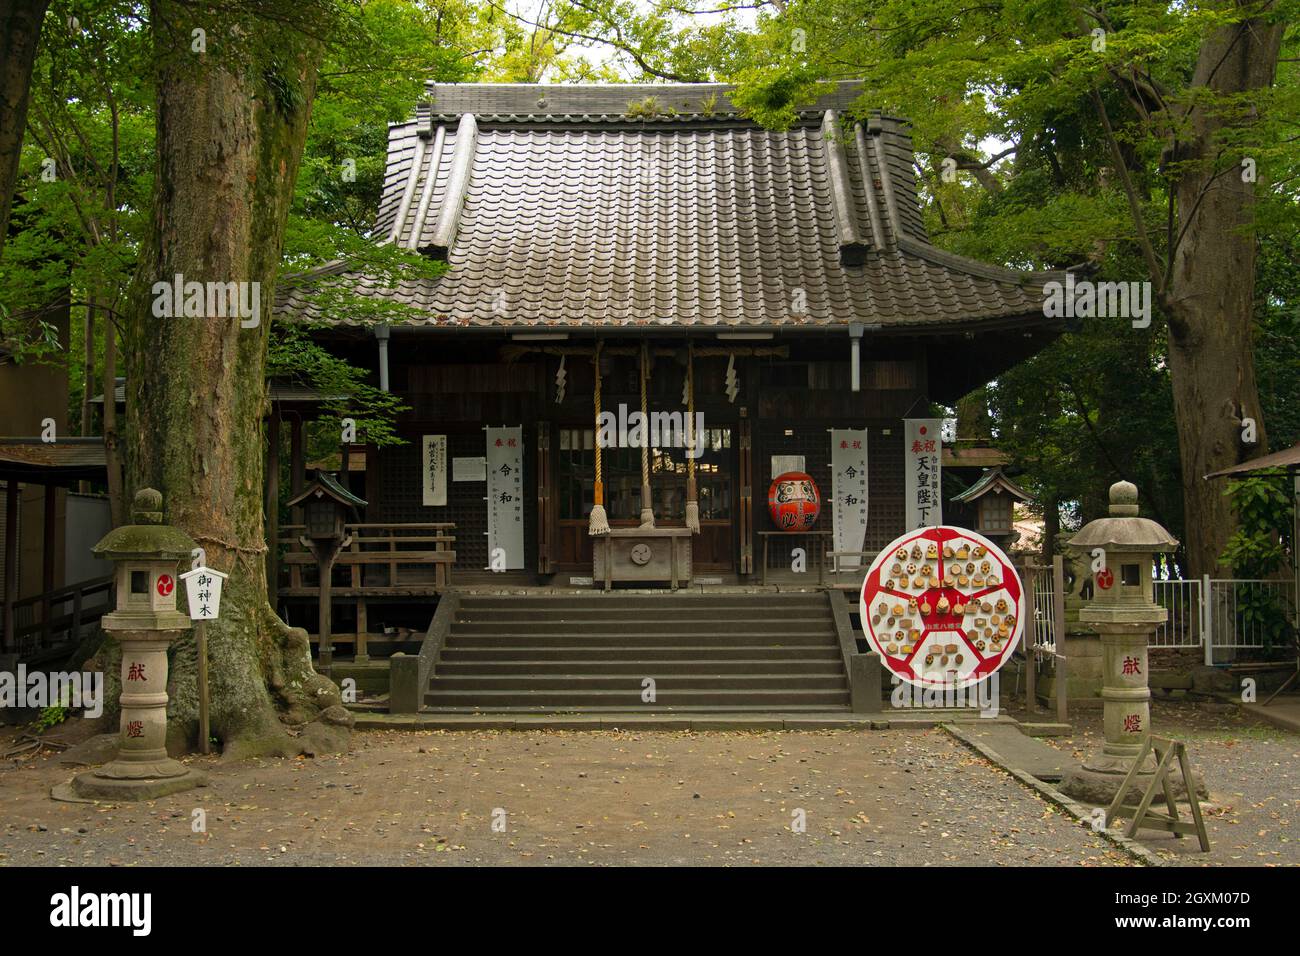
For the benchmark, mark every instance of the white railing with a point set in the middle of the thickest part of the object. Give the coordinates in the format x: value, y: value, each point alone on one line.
x: 1234, y: 616
x: 1182, y: 599
x: 1038, y: 578
x: 1233, y: 613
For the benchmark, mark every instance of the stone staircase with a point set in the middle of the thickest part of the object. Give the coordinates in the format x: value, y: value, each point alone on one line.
x: 591, y: 653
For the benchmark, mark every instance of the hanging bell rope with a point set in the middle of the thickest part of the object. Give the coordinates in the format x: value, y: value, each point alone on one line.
x: 692, y: 496
x: 647, y: 502
x: 598, y: 523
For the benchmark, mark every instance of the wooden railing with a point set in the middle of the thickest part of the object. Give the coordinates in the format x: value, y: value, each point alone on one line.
x: 381, y: 561
x: 63, y: 613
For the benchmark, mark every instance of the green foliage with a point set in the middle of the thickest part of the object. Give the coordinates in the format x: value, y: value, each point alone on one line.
x: 649, y: 108
x: 294, y: 358
x: 50, y: 717
x: 1261, y: 549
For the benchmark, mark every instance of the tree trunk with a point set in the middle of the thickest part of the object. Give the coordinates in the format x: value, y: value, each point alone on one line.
x: 20, y: 33
x: 1212, y: 292
x: 231, y: 125
x: 112, y: 443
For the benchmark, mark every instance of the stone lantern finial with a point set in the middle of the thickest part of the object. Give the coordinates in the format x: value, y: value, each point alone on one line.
x: 1123, y: 499
x: 146, y: 507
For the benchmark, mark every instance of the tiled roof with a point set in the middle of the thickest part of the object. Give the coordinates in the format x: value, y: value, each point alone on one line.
x: 33, y: 459
x: 576, y: 215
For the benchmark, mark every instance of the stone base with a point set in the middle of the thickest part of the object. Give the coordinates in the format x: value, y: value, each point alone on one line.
x: 91, y: 786
x: 1098, y: 787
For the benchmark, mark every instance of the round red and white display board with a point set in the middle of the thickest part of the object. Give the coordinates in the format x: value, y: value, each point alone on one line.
x: 943, y: 607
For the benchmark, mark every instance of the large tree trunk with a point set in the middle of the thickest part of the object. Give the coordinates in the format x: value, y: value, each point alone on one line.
x: 20, y: 32
x: 1212, y: 292
x: 231, y: 125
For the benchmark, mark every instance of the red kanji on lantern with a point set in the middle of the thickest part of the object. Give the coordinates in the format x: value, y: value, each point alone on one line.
x: 136, y: 672
x: 1133, y: 724
x: 1131, y: 666
x: 135, y: 728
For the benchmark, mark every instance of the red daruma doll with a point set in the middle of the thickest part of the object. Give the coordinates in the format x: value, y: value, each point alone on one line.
x: 794, y: 501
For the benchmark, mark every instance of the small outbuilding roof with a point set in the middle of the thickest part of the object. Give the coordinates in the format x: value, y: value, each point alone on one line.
x: 1288, y: 459
x: 56, y: 463
x: 993, y: 480
x: 326, y: 485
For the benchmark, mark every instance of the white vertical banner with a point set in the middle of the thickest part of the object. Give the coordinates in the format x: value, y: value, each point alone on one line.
x: 505, y: 490
x: 433, y: 457
x: 849, y: 489
x: 922, y: 472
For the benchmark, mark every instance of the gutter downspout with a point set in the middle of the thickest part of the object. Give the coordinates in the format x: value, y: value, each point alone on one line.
x: 855, y: 359
x: 381, y: 336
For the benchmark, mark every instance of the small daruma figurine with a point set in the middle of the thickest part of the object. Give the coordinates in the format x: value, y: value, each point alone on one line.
x: 794, y: 501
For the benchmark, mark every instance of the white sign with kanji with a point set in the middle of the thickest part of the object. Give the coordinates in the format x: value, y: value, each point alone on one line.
x: 922, y: 472
x: 433, y: 452
x: 849, y: 489
x: 505, y: 491
x: 203, y: 588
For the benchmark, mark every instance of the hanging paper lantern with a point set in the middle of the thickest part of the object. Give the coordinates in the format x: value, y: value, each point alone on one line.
x: 794, y: 501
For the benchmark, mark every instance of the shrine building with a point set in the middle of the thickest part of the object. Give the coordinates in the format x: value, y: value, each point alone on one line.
x: 619, y: 257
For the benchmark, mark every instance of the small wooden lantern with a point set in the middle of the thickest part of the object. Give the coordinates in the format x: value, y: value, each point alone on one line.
x: 995, y: 496
x: 327, y: 506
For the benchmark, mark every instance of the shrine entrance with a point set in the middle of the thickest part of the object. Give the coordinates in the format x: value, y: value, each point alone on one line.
x: 714, y: 546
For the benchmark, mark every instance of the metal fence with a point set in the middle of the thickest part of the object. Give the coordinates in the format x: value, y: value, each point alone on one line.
x: 1182, y: 599
x: 1039, y: 581
x: 1234, y: 613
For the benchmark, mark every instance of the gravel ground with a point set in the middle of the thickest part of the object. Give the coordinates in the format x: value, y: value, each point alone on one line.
x: 1251, y: 768
x: 648, y: 798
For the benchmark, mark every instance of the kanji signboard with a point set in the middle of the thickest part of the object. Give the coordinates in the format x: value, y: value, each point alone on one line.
x: 942, y: 607
x: 849, y: 489
x: 433, y: 460
x: 505, y: 487
x: 203, y: 588
x: 923, y: 471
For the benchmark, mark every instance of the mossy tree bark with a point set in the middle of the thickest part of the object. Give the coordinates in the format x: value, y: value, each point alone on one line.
x: 231, y: 126
x: 20, y: 33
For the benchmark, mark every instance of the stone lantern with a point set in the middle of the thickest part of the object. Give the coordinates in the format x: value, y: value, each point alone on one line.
x: 144, y: 622
x: 1125, y: 616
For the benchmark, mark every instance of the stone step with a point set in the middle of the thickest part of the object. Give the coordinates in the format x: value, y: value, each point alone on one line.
x: 647, y: 602
x: 642, y: 714
x: 632, y: 682
x: 623, y: 616
x: 647, y: 668
x: 640, y: 652
x: 665, y: 639
x: 493, y: 700
x: 625, y: 626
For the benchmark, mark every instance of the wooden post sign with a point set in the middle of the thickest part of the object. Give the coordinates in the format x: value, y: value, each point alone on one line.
x: 203, y: 590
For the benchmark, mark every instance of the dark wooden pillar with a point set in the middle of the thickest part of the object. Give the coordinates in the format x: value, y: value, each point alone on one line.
x: 47, y: 559
x: 273, y: 504
x: 296, y: 468
x: 296, y: 482
x: 11, y: 562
